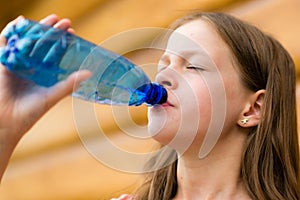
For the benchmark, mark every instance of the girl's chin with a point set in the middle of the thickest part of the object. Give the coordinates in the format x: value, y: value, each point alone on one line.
x: 162, y: 138
x: 162, y: 131
x: 157, y: 119
x: 155, y: 128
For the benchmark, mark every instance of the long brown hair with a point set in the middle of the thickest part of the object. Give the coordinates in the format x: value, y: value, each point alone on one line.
x: 270, y: 164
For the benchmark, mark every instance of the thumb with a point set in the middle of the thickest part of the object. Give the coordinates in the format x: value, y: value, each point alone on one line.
x: 66, y: 87
x: 2, y: 41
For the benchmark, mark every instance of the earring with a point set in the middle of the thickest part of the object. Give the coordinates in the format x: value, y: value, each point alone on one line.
x: 244, y: 121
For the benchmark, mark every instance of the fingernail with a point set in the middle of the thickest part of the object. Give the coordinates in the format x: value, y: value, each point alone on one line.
x: 20, y: 17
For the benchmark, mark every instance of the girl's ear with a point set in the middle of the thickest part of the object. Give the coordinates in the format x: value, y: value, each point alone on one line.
x: 251, y: 114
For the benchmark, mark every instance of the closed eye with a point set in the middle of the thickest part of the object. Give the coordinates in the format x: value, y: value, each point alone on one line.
x: 194, y: 67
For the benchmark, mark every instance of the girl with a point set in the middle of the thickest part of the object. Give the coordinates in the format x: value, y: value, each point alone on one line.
x: 254, y: 155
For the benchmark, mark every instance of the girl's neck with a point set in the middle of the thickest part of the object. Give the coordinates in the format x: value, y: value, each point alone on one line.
x: 217, y: 176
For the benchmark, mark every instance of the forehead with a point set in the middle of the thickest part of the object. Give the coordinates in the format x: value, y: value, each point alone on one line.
x: 200, y: 35
x: 199, y: 31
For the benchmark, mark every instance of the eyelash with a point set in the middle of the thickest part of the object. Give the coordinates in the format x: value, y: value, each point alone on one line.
x: 191, y: 67
x: 194, y: 67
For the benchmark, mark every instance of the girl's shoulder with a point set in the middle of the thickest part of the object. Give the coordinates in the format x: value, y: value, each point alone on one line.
x: 124, y: 197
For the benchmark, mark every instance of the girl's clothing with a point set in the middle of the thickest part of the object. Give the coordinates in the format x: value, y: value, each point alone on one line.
x: 123, y: 197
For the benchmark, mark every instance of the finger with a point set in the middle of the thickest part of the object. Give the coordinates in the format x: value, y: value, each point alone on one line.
x: 49, y: 47
x: 11, y: 23
x: 50, y: 20
x: 71, y: 30
x: 3, y: 32
x: 79, y: 77
x: 63, y: 24
x: 66, y: 87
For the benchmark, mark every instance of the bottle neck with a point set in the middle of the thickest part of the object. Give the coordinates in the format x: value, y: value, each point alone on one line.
x: 156, y: 94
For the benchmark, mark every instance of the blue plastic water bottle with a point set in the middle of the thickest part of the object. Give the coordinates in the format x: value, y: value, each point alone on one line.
x: 46, y: 55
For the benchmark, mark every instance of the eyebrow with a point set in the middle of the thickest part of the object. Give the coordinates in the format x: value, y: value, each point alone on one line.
x: 193, y: 56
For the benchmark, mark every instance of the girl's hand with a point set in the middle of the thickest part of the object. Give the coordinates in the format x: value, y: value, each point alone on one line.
x: 22, y: 103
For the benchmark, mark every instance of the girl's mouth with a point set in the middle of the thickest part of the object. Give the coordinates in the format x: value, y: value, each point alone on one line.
x: 167, y: 104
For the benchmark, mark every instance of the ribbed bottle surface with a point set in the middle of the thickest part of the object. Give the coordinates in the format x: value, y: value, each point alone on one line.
x: 46, y: 55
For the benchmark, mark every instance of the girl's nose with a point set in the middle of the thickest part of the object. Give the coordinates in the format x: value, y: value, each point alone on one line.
x: 167, y: 78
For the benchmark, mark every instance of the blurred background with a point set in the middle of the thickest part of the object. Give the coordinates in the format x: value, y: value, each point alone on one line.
x: 51, y: 162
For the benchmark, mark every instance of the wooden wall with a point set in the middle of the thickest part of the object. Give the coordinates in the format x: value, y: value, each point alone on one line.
x: 51, y: 162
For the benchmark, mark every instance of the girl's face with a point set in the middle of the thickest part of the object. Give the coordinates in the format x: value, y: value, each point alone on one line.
x: 205, y: 95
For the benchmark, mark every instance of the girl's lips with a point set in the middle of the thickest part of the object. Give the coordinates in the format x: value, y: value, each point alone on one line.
x: 167, y: 104
x: 164, y: 105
